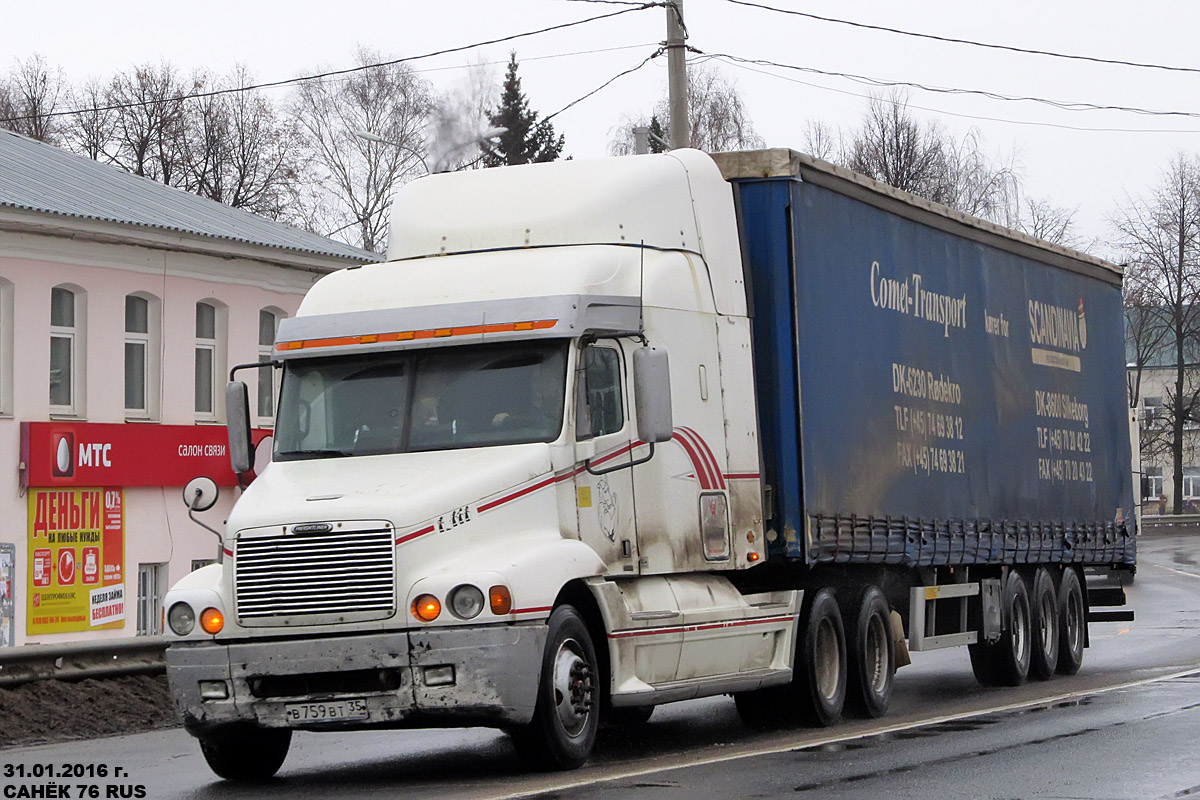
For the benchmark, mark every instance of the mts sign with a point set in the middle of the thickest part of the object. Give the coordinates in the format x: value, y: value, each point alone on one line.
x: 61, y: 454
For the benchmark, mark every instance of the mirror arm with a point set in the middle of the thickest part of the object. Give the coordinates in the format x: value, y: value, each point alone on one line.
x: 274, y: 364
x: 192, y: 516
x: 588, y: 464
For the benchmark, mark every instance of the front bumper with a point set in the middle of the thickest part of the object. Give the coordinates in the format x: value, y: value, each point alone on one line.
x: 479, y: 675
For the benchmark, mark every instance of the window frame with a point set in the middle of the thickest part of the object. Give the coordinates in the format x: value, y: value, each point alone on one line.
x: 585, y: 427
x: 74, y: 334
x: 150, y: 340
x: 216, y: 346
x: 266, y: 354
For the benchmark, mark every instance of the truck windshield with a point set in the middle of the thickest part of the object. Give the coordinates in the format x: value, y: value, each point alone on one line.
x: 398, y: 402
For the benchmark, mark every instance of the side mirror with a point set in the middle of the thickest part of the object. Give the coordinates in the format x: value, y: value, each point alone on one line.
x: 237, y: 411
x: 652, y: 394
x: 200, y: 494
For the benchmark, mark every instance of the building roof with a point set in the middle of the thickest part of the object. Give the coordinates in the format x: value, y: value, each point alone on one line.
x: 36, y: 176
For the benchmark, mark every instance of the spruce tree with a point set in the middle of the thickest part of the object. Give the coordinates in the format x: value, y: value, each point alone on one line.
x: 525, y: 140
x: 657, y: 135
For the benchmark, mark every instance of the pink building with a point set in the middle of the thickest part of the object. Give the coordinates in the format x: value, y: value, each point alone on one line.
x: 123, y: 305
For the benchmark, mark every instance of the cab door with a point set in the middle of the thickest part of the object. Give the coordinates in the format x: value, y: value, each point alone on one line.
x: 604, y: 435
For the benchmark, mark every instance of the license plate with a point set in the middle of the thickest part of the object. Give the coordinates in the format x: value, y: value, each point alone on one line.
x: 326, y: 712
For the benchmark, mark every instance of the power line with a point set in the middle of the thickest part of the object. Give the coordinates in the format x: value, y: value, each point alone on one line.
x: 956, y: 113
x: 578, y: 100
x: 1060, y: 104
x: 333, y: 73
x: 952, y: 40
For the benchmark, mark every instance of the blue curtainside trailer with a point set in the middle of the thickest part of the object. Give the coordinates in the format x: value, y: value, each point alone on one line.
x: 933, y: 390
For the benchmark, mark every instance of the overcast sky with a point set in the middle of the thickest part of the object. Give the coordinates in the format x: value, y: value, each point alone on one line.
x: 1088, y: 170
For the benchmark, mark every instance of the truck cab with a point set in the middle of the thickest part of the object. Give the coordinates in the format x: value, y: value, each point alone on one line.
x: 513, y: 466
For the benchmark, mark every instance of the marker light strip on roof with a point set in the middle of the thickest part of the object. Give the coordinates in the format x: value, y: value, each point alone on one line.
x: 406, y: 336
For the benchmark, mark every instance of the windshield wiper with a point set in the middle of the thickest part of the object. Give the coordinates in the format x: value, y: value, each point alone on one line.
x: 316, y: 453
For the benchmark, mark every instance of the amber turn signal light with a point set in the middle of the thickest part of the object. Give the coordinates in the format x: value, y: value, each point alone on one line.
x: 212, y: 621
x: 426, y: 608
x: 500, y: 600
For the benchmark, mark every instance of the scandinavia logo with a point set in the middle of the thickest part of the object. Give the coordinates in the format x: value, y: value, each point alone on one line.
x: 1057, y: 326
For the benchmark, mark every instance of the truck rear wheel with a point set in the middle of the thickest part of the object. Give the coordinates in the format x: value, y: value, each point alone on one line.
x: 1044, y: 622
x: 819, y: 680
x: 563, y: 729
x: 871, y: 659
x: 1005, y: 662
x: 817, y: 692
x: 245, y: 752
x: 1072, y: 623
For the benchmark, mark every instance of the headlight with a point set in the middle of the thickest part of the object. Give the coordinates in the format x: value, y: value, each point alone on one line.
x: 182, y: 619
x: 466, y: 601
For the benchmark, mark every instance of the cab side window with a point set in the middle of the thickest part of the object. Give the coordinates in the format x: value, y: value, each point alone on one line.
x: 605, y: 411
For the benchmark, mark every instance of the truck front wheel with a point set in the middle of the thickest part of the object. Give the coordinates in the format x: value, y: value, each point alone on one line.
x: 563, y: 729
x: 244, y: 752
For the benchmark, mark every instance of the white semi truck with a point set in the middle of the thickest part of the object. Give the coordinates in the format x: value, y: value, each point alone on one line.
x: 601, y: 435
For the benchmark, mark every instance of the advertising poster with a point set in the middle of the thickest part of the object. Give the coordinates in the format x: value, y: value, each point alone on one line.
x: 8, y: 561
x: 76, y: 579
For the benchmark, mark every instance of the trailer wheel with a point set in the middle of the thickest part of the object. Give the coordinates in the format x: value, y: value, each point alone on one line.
x: 1072, y: 623
x: 1005, y: 662
x: 871, y: 653
x: 1044, y: 619
x: 563, y: 729
x: 245, y: 752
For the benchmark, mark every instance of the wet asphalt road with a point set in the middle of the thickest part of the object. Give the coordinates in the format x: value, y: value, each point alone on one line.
x: 945, y: 737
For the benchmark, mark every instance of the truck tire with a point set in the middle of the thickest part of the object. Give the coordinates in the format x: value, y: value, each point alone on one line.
x: 1072, y: 622
x: 563, y: 729
x: 1005, y: 662
x: 819, y: 677
x: 817, y: 692
x: 245, y: 752
x: 871, y: 655
x: 1044, y: 623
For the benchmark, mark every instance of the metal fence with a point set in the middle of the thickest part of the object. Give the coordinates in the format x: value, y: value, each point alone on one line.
x: 77, y: 660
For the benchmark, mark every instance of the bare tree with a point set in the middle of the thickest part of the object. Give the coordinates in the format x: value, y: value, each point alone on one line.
x: 358, y: 175
x: 150, y: 127
x: 717, y: 116
x: 1161, y: 235
x: 31, y: 96
x: 239, y: 151
x: 1050, y: 223
x: 91, y: 131
x: 894, y: 147
x: 821, y: 141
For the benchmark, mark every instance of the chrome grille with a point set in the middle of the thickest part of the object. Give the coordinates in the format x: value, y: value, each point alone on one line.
x: 345, y: 571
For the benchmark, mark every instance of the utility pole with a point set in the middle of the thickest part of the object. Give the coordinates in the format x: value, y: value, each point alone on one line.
x: 677, y: 75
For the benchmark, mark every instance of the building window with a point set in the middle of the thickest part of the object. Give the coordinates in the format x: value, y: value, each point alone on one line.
x: 1152, y: 483
x: 66, y: 351
x: 268, y: 321
x: 143, y: 332
x: 1191, y: 483
x: 206, y: 360
x: 151, y: 580
x: 1152, y: 410
x: 200, y: 563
